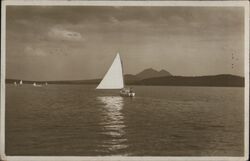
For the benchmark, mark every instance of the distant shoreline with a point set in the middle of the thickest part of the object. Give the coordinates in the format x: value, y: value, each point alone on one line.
x: 223, y: 80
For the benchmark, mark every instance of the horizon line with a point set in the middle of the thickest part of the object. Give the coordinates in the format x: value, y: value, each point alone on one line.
x: 124, y: 75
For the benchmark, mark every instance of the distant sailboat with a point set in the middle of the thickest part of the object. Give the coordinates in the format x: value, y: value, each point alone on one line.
x: 37, y: 85
x: 21, y: 82
x: 114, y: 78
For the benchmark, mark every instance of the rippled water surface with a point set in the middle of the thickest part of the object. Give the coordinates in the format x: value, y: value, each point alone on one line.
x: 159, y: 121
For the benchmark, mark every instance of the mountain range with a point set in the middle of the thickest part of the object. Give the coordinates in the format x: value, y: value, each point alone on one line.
x: 164, y: 78
x: 145, y: 74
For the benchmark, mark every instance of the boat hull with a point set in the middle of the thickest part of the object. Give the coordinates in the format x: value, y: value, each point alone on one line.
x: 127, y: 93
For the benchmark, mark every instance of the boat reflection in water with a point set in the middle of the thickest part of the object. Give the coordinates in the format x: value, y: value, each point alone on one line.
x: 112, y: 122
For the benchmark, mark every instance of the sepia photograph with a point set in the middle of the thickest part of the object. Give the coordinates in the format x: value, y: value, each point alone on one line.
x: 147, y: 80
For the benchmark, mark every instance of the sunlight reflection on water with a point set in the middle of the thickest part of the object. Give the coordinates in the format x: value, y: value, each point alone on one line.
x: 113, y: 123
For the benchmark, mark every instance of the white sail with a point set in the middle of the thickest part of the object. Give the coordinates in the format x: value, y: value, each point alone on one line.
x: 114, y: 77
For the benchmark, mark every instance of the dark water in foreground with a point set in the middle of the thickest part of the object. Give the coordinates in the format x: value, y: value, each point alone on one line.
x: 159, y: 121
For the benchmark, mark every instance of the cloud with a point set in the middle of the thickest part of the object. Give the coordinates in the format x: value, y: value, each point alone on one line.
x: 46, y: 50
x: 63, y: 34
x: 34, y: 51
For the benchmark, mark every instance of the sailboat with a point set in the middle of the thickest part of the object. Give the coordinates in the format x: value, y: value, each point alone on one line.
x: 40, y: 85
x: 21, y: 82
x: 114, y: 79
x: 37, y: 85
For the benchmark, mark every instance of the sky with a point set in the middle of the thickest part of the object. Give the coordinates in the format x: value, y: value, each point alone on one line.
x: 80, y: 42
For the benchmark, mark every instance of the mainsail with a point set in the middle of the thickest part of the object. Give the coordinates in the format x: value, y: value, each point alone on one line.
x: 113, y: 79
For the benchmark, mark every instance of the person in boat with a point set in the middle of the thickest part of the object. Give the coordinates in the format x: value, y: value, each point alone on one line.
x: 131, y: 90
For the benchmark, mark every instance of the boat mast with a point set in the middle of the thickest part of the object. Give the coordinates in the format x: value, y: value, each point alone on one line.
x: 122, y: 71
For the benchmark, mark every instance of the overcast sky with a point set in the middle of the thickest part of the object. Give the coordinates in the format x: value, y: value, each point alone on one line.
x: 68, y: 43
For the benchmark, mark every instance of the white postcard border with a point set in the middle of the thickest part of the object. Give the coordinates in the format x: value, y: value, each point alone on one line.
x: 244, y: 4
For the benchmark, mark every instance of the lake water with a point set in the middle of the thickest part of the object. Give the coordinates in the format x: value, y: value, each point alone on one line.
x: 159, y: 121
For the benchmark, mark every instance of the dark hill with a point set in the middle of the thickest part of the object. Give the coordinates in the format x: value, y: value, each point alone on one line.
x: 216, y: 80
x: 161, y: 78
x: 151, y: 73
x: 130, y: 79
x: 91, y: 81
x: 224, y: 80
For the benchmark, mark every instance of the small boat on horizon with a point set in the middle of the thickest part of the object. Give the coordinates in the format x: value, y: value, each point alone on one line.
x: 37, y: 85
x: 18, y: 83
x: 40, y: 85
x: 114, y: 79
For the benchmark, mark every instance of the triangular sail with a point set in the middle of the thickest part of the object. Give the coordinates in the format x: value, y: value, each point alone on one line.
x: 114, y: 77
